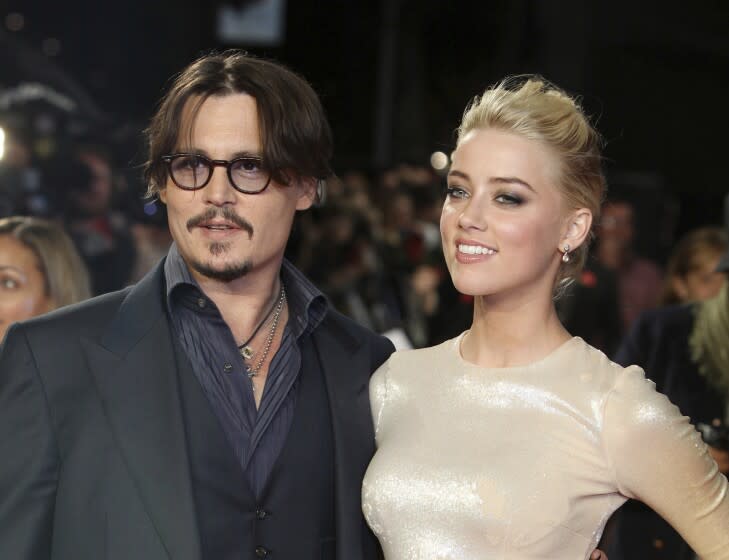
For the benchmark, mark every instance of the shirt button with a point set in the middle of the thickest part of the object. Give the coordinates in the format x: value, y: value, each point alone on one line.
x: 227, y: 368
x: 261, y: 514
x: 658, y: 544
x: 261, y: 552
x: 201, y: 303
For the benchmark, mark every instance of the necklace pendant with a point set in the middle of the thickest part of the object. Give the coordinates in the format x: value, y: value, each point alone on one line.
x: 246, y: 352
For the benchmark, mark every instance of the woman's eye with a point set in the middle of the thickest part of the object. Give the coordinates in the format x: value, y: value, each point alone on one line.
x: 509, y: 199
x: 456, y: 192
x: 8, y: 283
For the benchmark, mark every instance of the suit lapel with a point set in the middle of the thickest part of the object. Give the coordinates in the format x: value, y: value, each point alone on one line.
x: 346, y: 373
x: 134, y: 368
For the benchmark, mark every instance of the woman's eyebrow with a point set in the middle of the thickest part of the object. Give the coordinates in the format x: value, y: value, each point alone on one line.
x: 511, y: 181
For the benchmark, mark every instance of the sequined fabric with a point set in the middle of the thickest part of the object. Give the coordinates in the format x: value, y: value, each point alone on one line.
x: 529, y: 462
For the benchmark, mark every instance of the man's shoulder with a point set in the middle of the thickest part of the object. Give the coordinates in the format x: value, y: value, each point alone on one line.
x: 135, y: 303
x: 352, y: 334
x: 88, y: 315
x: 338, y: 322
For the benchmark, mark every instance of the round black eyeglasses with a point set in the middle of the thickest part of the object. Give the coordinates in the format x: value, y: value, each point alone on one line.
x: 193, y: 171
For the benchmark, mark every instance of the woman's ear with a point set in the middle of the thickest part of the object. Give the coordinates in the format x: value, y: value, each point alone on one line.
x: 577, y: 228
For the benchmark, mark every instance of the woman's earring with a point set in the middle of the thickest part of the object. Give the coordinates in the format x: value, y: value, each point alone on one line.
x: 566, y: 253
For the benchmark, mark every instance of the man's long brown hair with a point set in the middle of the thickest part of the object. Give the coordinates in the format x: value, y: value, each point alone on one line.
x: 295, y: 134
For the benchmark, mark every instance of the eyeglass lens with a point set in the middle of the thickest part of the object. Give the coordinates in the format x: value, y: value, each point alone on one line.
x: 192, y: 171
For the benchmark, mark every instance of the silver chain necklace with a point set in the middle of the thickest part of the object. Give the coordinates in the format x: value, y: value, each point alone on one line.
x: 244, y: 349
x: 253, y: 371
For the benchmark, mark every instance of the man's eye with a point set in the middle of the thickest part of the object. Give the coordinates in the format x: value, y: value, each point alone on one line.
x: 248, y: 164
x: 248, y: 167
x: 189, y: 162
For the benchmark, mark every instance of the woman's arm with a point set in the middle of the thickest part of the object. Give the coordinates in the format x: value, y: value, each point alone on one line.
x: 659, y: 458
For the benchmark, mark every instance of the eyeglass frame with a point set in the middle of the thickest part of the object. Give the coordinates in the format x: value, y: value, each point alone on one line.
x: 213, y: 163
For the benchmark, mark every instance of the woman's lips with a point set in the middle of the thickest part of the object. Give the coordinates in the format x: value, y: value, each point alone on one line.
x: 470, y: 252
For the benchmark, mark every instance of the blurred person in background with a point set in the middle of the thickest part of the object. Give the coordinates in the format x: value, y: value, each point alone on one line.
x: 639, y: 279
x: 152, y: 237
x: 342, y: 259
x: 83, y: 181
x: 402, y: 249
x: 691, y: 273
x: 40, y: 270
x: 683, y: 349
x: 589, y: 307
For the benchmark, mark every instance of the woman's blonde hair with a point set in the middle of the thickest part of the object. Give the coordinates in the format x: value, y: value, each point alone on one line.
x: 66, y: 277
x: 536, y: 109
x: 690, y: 254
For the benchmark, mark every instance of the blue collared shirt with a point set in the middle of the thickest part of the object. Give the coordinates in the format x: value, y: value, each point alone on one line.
x: 256, y: 435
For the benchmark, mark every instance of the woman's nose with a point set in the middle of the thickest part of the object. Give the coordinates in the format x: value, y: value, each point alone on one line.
x: 473, y: 216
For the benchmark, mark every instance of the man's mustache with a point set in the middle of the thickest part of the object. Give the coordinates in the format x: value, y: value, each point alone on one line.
x: 226, y: 214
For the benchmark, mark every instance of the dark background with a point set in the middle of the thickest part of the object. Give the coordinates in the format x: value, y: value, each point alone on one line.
x: 396, y: 75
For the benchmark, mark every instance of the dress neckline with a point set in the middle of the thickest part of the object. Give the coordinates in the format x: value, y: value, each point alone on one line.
x: 456, y: 349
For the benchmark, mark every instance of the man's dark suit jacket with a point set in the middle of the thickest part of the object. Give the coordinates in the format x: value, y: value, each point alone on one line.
x: 93, y: 453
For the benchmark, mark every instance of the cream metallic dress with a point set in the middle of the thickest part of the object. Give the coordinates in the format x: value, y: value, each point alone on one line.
x: 529, y: 462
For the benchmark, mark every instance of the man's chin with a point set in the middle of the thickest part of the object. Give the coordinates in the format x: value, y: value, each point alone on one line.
x: 223, y: 272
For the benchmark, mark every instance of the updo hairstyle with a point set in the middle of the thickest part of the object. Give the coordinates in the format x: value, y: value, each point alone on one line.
x: 532, y: 107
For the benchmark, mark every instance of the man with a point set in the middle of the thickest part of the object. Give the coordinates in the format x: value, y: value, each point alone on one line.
x: 218, y: 408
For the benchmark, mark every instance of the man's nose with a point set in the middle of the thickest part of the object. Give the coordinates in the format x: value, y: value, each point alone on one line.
x: 219, y: 191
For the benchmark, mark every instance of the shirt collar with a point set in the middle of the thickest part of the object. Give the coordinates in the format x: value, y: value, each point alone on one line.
x: 307, y: 304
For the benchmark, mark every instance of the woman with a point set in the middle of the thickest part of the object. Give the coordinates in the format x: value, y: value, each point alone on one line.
x: 515, y: 440
x: 40, y: 270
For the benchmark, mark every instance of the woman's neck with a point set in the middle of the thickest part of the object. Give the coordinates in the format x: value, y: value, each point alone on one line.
x: 512, y: 334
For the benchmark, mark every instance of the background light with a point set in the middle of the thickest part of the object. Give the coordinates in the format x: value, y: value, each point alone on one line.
x: 150, y: 208
x: 2, y: 143
x: 51, y: 46
x: 439, y: 161
x: 14, y: 21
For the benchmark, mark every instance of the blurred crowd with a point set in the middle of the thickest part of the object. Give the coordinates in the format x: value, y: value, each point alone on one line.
x: 373, y: 246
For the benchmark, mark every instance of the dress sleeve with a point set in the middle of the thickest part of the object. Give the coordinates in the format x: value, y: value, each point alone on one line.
x: 659, y: 458
x: 378, y: 394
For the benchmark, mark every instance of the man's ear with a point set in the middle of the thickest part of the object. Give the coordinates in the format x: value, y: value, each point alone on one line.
x: 307, y: 193
x: 162, y: 195
x: 577, y: 229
